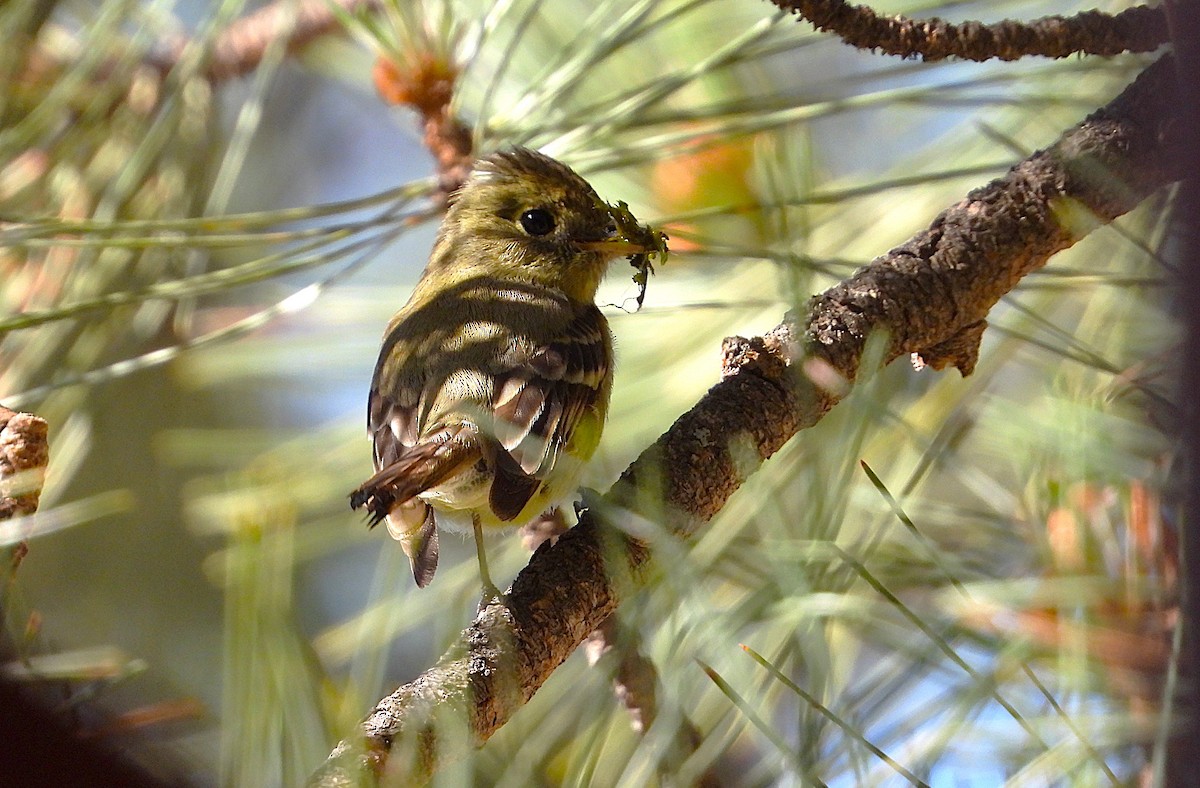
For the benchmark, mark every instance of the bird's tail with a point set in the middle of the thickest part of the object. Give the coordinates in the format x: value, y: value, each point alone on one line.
x: 431, y: 462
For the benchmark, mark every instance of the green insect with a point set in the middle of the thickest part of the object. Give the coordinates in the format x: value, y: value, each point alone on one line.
x: 644, y: 235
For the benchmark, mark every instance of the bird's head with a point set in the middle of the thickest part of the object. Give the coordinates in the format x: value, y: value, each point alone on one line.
x: 526, y: 216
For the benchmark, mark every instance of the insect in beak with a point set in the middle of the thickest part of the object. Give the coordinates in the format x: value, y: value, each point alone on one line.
x: 638, y: 242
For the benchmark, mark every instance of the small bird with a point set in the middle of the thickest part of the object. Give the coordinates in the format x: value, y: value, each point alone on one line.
x: 492, y: 385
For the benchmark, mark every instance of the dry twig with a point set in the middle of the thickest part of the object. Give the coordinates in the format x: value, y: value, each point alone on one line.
x: 1137, y: 29
x: 239, y: 49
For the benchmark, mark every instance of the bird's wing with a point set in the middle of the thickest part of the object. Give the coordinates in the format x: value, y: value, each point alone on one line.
x: 538, y: 403
x: 529, y: 397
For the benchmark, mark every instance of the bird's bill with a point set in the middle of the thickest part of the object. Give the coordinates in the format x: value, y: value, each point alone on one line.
x: 614, y: 246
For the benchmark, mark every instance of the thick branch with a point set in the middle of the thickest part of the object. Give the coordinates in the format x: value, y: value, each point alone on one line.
x: 1137, y: 29
x: 923, y: 294
x: 943, y: 281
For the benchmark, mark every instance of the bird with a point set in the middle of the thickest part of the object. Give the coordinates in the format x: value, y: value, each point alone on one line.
x: 492, y: 385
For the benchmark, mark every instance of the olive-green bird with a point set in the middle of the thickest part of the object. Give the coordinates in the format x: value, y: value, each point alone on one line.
x: 493, y: 382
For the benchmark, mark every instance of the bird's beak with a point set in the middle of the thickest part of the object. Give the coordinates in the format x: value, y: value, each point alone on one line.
x: 613, y: 246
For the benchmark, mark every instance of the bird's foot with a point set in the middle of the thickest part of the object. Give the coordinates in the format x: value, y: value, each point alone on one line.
x: 490, y: 595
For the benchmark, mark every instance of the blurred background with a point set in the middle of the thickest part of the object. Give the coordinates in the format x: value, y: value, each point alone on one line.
x: 195, y: 273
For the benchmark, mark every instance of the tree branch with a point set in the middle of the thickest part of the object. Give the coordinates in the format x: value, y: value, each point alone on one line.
x: 923, y: 294
x: 24, y: 455
x: 424, y: 80
x: 1137, y: 29
x: 240, y: 48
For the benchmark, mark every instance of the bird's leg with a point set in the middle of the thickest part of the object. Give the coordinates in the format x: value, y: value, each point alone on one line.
x: 490, y: 592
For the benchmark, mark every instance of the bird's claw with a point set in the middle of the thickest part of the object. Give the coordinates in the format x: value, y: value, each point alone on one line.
x: 490, y: 595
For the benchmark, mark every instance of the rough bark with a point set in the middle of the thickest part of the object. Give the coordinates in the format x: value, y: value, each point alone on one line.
x: 24, y: 454
x: 1137, y: 29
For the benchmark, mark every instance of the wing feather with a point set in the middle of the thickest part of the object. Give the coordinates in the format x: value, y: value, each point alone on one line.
x: 558, y: 383
x: 524, y: 397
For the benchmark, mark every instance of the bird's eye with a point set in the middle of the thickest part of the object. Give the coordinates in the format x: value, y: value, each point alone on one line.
x: 537, y: 221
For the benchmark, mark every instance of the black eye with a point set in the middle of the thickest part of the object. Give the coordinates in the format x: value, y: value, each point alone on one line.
x: 537, y: 221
